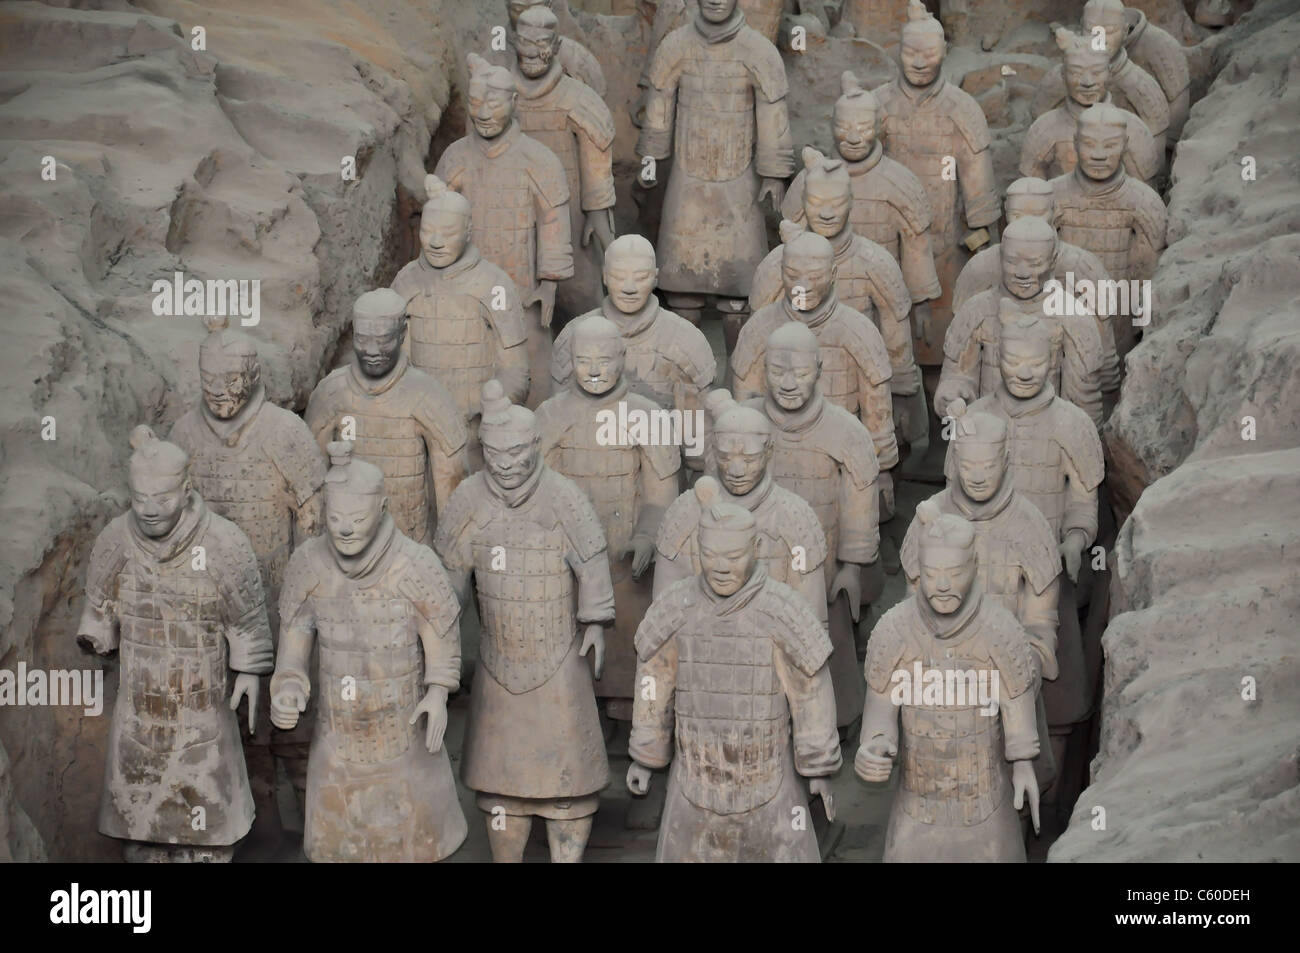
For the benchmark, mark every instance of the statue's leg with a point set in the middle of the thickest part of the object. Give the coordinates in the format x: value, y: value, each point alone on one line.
x: 690, y: 307
x: 294, y: 758
x: 568, y: 838
x: 735, y: 312
x: 268, y: 831
x: 508, y: 836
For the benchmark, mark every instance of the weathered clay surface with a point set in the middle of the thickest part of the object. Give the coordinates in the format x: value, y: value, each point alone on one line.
x: 1204, y: 590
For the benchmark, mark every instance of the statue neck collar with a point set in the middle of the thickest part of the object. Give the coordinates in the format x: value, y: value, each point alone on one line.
x: 520, y: 494
x: 977, y: 511
x: 1076, y: 109
x: 1019, y: 407
x: 865, y: 165
x: 499, y: 144
x: 467, y: 260
x: 374, y: 386
x: 920, y: 94
x: 165, y: 548
x: 727, y: 605
x: 535, y: 88
x: 818, y: 315
x: 372, y: 558
x: 797, y: 421
x: 720, y: 32
x: 1094, y: 187
x: 630, y: 325
x: 948, y: 627
x: 755, y: 497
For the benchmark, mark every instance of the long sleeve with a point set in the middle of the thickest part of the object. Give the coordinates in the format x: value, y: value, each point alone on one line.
x: 671, y: 569
x: 447, y: 467
x: 812, y: 586
x: 595, y: 172
x: 653, y: 702
x: 960, y: 375
x: 879, y: 718
x: 441, y: 653
x: 297, y: 633
x: 656, y: 139
x: 1038, y: 613
x: 812, y: 713
x: 979, y: 187
x: 1019, y: 725
x: 774, y: 158
x: 247, y: 628
x: 1081, y: 371
x: 916, y: 258
x: 893, y: 304
x: 595, y: 588
x: 876, y: 411
x: 98, y: 623
x: 1080, y: 504
x: 554, y: 239
x: 659, y: 478
x: 509, y: 339
x: 859, y: 521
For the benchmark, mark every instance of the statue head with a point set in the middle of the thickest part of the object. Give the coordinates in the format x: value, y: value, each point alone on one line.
x: 515, y: 8
x: 597, y: 349
x: 1031, y: 196
x: 510, y: 438
x: 490, y: 99
x: 1025, y: 351
x: 946, y: 550
x: 827, y: 193
x: 856, y: 119
x: 923, y: 46
x: 1028, y: 253
x: 717, y: 11
x: 1109, y: 15
x: 444, y: 223
x: 537, y: 41
x: 807, y: 270
x: 355, y: 499
x: 1100, y: 139
x: 793, y: 365
x: 1085, y: 69
x: 980, y: 454
x: 728, y: 540
x: 631, y: 272
x: 159, y: 480
x: 378, y: 329
x: 742, y: 442
x: 228, y: 368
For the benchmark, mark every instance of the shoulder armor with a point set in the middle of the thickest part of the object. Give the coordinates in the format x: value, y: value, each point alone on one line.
x: 968, y: 117
x: 802, y: 528
x: 453, y: 162
x: 575, y: 512
x: 235, y: 567
x: 765, y: 288
x: 1051, y: 93
x: 406, y: 283
x: 295, y: 453
x: 1040, y: 139
x: 182, y: 433
x: 1147, y: 98
x: 425, y: 583
x: 301, y: 576
x: 1149, y: 213
x: 435, y: 409
x: 867, y: 344
x: 1008, y: 645
x: 887, y: 277
x: 1148, y: 155
x: 851, y: 444
x: 967, y: 319
x: 552, y: 422
x: 590, y: 114
x: 752, y: 341
x: 546, y: 172
x: 1077, y: 437
x: 562, y: 350
x: 321, y: 405
x: 1163, y: 56
x: 681, y: 520
x: 1041, y: 560
x: 667, y: 60
x: 792, y: 204
x: 797, y: 630
x: 459, y: 515
x: 1081, y: 261
x: 666, y: 616
x: 1082, y: 332
x: 508, y: 322
x: 974, y: 275
x: 107, y: 558
x: 580, y: 63
x: 906, y: 194
x: 764, y: 64
x: 687, y: 346
x: 887, y: 644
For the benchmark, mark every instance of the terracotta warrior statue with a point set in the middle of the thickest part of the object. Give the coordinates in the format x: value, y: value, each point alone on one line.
x: 1018, y: 564
x: 533, y: 544
x: 1134, y: 41
x: 1048, y: 147
x: 969, y: 747
x: 825, y: 455
x: 790, y: 543
x: 970, y: 366
x: 666, y: 358
x: 258, y: 466
x: 1102, y: 208
x: 570, y: 119
x: 380, y: 608
x: 738, y: 697
x: 867, y: 278
x: 575, y: 59
x: 939, y: 132
x: 519, y: 199
x: 466, y: 322
x: 176, y: 589
x: 401, y: 419
x: 630, y: 482
x: 852, y: 354
x: 716, y: 103
x: 1056, y: 464
x: 1131, y: 87
x: 890, y: 206
x: 1031, y: 196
